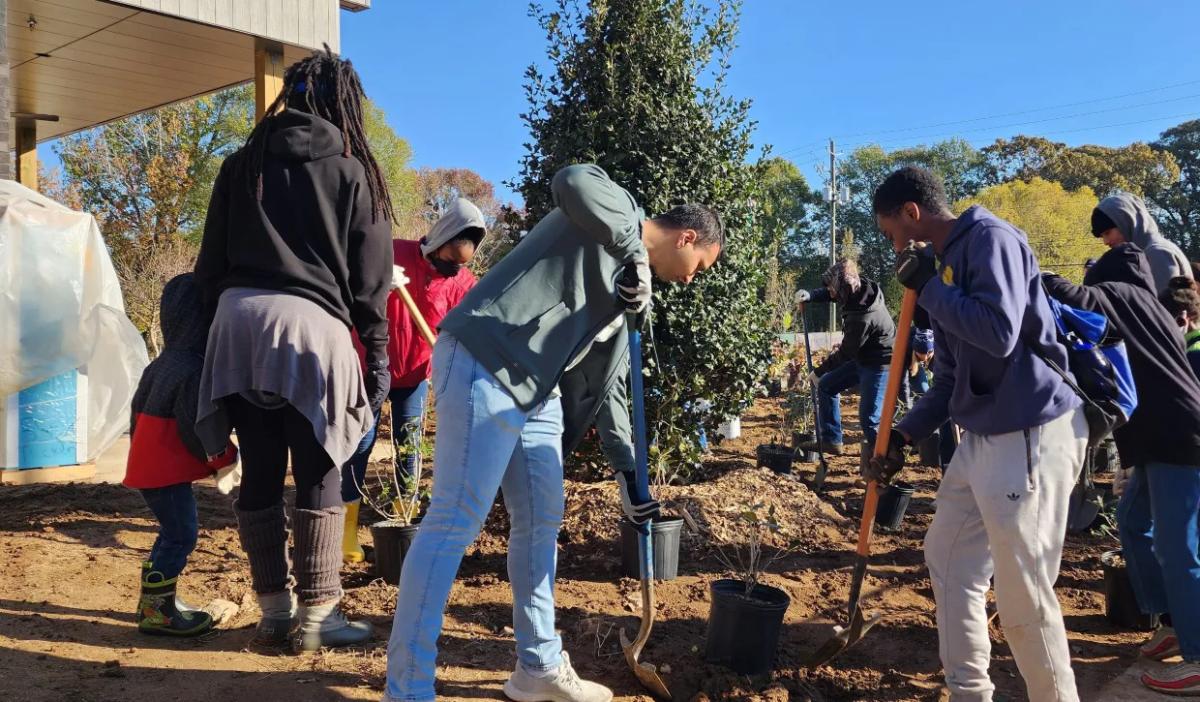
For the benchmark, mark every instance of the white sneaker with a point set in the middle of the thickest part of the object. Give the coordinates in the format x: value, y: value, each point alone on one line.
x: 563, y: 685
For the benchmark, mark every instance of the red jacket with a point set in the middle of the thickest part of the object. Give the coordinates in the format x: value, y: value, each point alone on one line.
x: 408, y: 354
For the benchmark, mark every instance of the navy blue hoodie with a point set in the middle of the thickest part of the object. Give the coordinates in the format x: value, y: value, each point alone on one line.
x: 987, y: 306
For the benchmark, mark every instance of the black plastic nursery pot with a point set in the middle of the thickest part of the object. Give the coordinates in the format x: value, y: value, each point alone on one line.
x: 929, y: 451
x: 893, y: 503
x: 1120, y: 604
x: 664, y: 541
x: 777, y: 457
x: 392, y: 541
x: 774, y: 387
x: 743, y: 629
x: 800, y: 437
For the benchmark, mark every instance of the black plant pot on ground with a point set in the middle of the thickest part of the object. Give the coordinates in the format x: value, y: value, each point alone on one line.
x: 392, y: 540
x: 743, y: 629
x: 664, y: 541
x: 929, y: 452
x: 777, y: 457
x: 774, y: 387
x: 800, y: 437
x: 1120, y: 605
x: 893, y: 503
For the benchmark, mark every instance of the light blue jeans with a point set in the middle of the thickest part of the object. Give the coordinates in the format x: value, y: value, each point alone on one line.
x: 484, y: 442
x: 1159, y: 523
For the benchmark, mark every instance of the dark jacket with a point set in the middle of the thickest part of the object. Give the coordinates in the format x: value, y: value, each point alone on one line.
x: 868, y: 331
x: 596, y: 392
x: 313, y: 234
x: 164, y: 449
x: 1165, y: 427
x: 544, y: 302
x: 987, y: 307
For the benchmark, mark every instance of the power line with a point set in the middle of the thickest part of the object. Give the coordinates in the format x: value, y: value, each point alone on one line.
x: 818, y: 142
x: 915, y: 141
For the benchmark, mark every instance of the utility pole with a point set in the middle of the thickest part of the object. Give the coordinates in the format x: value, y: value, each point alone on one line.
x: 833, y: 203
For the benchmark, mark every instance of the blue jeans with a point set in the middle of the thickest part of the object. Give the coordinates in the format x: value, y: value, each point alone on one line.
x: 1159, y: 522
x: 870, y: 380
x: 408, y: 416
x: 174, y: 507
x: 484, y: 443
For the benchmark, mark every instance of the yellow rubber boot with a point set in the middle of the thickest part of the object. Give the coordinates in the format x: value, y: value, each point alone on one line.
x: 351, y: 551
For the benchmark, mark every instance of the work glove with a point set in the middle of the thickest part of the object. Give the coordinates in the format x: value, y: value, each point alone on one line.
x: 803, y: 296
x: 638, y: 508
x: 399, y: 279
x: 915, y: 266
x: 378, y: 379
x: 883, y: 468
x: 633, y: 286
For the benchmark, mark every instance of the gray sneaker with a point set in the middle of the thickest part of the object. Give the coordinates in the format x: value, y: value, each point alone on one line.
x: 563, y: 685
x: 278, y: 620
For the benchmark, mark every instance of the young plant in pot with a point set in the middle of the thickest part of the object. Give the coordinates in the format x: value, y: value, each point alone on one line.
x: 1120, y: 603
x: 393, y: 489
x: 798, y: 409
x: 746, y: 616
x: 671, y: 460
x: 778, y: 455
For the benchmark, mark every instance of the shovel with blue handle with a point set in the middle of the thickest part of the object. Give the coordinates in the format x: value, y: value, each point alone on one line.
x: 646, y: 673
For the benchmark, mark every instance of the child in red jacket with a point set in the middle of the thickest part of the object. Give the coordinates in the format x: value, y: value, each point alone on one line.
x: 165, y: 457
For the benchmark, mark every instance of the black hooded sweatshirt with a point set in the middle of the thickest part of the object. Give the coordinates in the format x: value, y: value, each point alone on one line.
x: 312, y: 234
x: 868, y: 331
x: 1165, y: 427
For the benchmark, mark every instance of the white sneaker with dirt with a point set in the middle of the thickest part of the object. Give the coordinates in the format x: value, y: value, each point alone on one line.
x: 1182, y: 679
x: 563, y: 685
x: 1163, y: 645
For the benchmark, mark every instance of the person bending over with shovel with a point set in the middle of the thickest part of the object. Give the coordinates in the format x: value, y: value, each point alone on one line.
x: 496, y: 366
x: 434, y: 272
x: 1002, y: 505
x: 862, y: 359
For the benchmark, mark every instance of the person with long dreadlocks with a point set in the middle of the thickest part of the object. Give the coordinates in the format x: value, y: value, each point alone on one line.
x: 296, y: 254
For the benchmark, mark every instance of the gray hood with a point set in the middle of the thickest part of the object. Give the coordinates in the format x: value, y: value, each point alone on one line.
x: 461, y: 214
x: 1132, y: 217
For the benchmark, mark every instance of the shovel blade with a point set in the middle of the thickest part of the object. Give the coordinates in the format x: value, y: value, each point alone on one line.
x: 819, y: 477
x: 843, y: 638
x: 646, y: 673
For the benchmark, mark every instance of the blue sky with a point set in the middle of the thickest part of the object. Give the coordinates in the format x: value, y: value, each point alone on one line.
x: 449, y: 73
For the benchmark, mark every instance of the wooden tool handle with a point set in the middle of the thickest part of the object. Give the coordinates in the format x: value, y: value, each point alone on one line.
x: 895, y: 375
x: 416, y: 315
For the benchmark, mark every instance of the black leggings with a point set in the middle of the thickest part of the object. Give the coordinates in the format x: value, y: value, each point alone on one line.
x: 264, y: 439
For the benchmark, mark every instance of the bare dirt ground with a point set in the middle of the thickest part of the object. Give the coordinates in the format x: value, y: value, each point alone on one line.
x: 69, y: 559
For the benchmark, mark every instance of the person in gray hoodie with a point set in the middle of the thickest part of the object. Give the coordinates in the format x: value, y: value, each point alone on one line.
x: 1124, y: 218
x: 1002, y: 505
x: 498, y: 365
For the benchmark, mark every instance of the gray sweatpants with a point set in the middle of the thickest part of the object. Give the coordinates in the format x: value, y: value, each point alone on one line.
x: 1002, y: 510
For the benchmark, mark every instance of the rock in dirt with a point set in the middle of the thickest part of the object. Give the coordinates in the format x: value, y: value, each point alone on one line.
x: 221, y: 611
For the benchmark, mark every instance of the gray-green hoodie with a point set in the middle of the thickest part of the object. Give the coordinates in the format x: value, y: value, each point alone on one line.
x: 1133, y: 219
x: 546, y: 301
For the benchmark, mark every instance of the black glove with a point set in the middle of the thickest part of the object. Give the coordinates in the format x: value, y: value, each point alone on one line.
x: 882, y: 469
x: 378, y: 379
x: 638, y: 508
x: 914, y: 267
x: 633, y: 286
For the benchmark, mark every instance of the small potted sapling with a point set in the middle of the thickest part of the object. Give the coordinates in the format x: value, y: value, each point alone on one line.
x: 671, y: 457
x: 778, y: 455
x: 396, y: 496
x: 1120, y: 604
x: 799, y: 411
x: 746, y: 616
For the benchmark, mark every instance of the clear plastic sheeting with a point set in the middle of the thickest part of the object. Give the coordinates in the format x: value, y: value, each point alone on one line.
x: 61, y: 309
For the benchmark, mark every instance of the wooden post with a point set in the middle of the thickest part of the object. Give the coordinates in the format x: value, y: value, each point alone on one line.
x: 27, y: 162
x: 268, y: 75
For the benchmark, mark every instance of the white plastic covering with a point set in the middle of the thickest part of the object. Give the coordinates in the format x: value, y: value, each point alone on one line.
x: 61, y: 308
